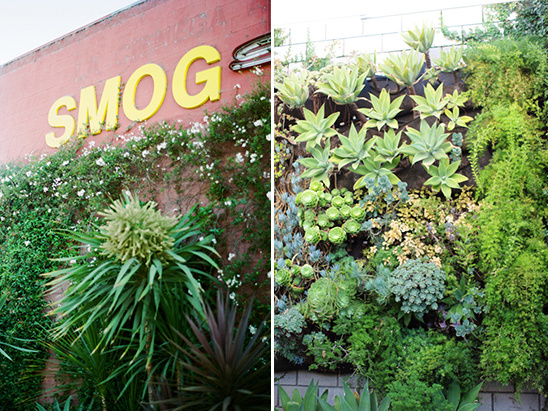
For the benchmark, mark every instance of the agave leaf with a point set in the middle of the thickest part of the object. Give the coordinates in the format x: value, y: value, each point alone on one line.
x: 315, y: 128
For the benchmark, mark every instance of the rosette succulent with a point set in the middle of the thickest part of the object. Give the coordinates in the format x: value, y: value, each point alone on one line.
x: 307, y: 271
x: 333, y: 213
x: 322, y: 299
x: 283, y: 277
x: 352, y: 227
x: 337, y: 201
x: 312, y: 235
x: 336, y: 235
x: 309, y: 199
x: 358, y: 213
x: 346, y: 211
x: 323, y: 220
x: 418, y: 285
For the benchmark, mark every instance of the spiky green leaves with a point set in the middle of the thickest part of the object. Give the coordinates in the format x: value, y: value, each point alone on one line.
x: 420, y: 39
x: 366, y: 64
x: 315, y: 127
x: 428, y: 145
x: 343, y: 85
x: 353, y: 149
x: 445, y: 177
x: 403, y: 68
x: 318, y: 166
x: 135, y: 230
x: 387, y: 148
x: 451, y: 60
x: 455, y: 118
x: 294, y: 90
x: 372, y: 169
x: 432, y: 104
x: 383, y: 112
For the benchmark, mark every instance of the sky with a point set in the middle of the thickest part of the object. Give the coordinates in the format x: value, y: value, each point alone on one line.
x: 28, y: 24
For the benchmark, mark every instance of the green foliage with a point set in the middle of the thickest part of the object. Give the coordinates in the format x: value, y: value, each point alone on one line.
x: 307, y: 403
x: 353, y: 149
x: 403, y: 68
x: 420, y: 39
x: 451, y: 60
x: 288, y: 326
x: 459, y: 402
x: 507, y: 71
x: 323, y: 299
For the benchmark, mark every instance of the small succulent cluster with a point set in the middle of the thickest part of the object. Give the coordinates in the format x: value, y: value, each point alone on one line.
x: 293, y: 276
x: 329, y: 216
x: 326, y: 297
x: 418, y: 285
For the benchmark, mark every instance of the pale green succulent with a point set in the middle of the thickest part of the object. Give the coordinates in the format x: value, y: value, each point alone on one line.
x: 352, y: 227
x: 283, y: 277
x: 420, y: 39
x: 353, y: 149
x: 323, y: 220
x: 343, y: 85
x: 294, y: 90
x: 318, y: 166
x: 358, y: 213
x: 375, y: 170
x: 383, y: 112
x: 455, y: 100
x: 316, y: 186
x: 428, y: 145
x: 450, y: 61
x: 333, y: 213
x: 312, y: 235
x: 322, y: 299
x: 366, y: 63
x: 455, y: 119
x: 403, y: 68
x: 315, y: 128
x: 338, y: 201
x: 387, y: 148
x: 307, y: 271
x: 445, y: 177
x: 336, y: 235
x: 345, y: 211
x: 135, y: 230
x: 432, y: 104
x: 309, y: 198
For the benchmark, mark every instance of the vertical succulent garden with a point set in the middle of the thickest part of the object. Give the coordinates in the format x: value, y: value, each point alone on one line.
x: 410, y: 221
x: 140, y: 281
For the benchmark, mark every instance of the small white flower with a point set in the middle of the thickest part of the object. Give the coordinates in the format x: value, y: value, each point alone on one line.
x: 231, y: 256
x: 65, y: 163
x: 252, y: 330
x: 268, y: 137
x: 258, y: 123
x: 100, y: 162
x: 81, y: 193
x: 269, y: 195
x: 145, y: 153
x: 45, y: 189
x: 27, y: 243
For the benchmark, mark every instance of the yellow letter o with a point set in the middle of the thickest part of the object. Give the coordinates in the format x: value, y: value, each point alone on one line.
x: 159, y: 92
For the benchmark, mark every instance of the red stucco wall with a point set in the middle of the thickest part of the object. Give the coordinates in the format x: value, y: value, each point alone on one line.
x: 153, y: 31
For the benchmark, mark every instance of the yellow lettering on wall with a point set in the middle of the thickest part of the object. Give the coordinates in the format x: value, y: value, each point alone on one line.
x: 211, y: 77
x: 91, y: 116
x: 158, y: 94
x: 57, y: 120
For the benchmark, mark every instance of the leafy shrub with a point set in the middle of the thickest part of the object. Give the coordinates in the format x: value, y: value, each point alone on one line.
x: 288, y: 326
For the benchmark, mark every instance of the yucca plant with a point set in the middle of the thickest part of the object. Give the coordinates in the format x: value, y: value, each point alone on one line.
x: 351, y: 401
x: 294, y: 90
x: 228, y: 369
x: 432, y: 104
x: 319, y: 165
x: 384, y: 111
x: 445, y: 177
x: 315, y: 127
x: 404, y: 68
x: 428, y: 145
x: 134, y: 258
x: 353, y: 149
x: 421, y: 39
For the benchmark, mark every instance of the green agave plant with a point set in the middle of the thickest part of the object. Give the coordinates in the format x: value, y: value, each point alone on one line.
x: 315, y: 128
x: 387, y: 148
x: 372, y: 169
x: 229, y: 370
x: 343, y: 85
x: 445, y: 177
x: 383, y: 112
x: 404, y: 68
x: 351, y: 402
x: 457, y: 400
x: 353, y: 149
x: 455, y: 119
x: 432, y: 104
x: 428, y: 145
x: 420, y: 39
x: 294, y: 90
x: 318, y: 166
x: 367, y: 63
x: 310, y: 401
x: 455, y: 100
x: 451, y: 61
